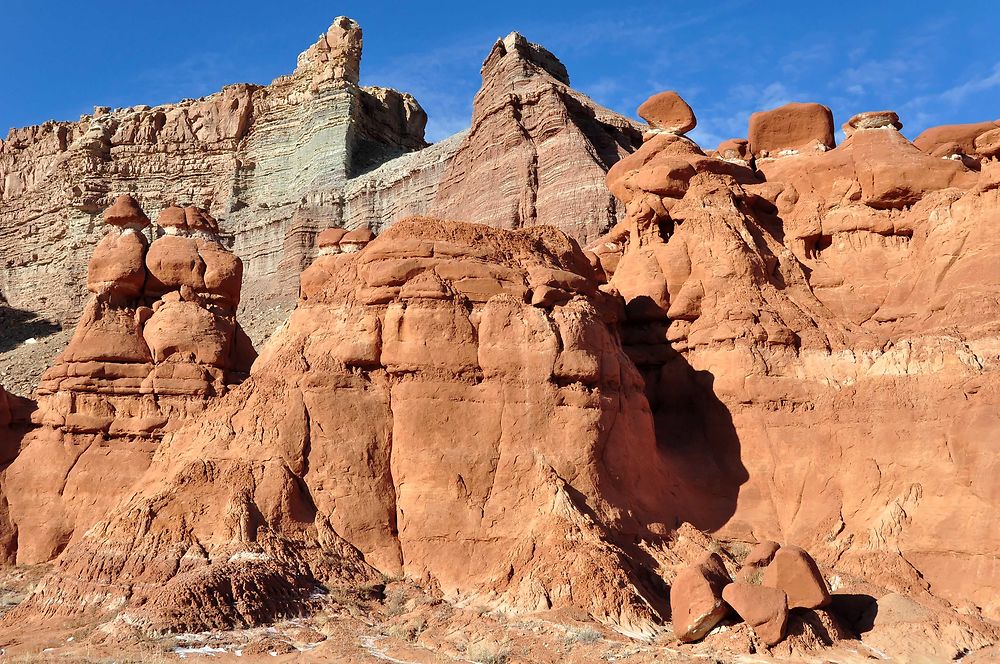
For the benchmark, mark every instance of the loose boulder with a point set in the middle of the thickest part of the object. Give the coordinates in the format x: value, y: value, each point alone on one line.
x: 794, y: 571
x: 696, y: 602
x: 765, y: 609
x: 792, y: 128
x: 756, y: 562
x: 669, y: 113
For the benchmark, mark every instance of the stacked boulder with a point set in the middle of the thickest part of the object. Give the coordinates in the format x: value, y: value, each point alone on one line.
x: 156, y: 342
x: 773, y: 581
x: 341, y: 241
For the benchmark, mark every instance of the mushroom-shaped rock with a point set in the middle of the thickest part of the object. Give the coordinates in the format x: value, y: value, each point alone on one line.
x: 668, y: 112
x: 794, y: 571
x: 872, y: 120
x: 696, y: 603
x: 791, y: 129
x: 125, y: 212
x: 735, y: 150
x: 328, y: 241
x: 182, y: 221
x: 356, y: 240
x: 765, y: 609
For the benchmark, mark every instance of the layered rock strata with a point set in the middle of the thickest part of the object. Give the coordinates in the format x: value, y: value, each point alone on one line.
x: 157, y: 341
x: 249, y: 154
x: 536, y: 150
x: 276, y: 164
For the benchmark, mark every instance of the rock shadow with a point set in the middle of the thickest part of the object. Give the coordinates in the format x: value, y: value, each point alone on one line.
x: 697, y: 443
x: 19, y: 325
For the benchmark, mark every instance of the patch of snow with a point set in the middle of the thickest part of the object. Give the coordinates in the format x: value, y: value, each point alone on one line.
x: 208, y: 651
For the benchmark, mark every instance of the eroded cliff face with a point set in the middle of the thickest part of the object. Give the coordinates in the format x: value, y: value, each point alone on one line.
x: 277, y: 164
x: 843, y: 305
x: 451, y: 403
x: 536, y: 149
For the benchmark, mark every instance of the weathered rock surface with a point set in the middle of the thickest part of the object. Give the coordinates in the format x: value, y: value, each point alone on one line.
x: 416, y: 413
x: 960, y: 139
x: 791, y: 129
x: 793, y: 571
x: 667, y: 111
x: 537, y: 150
x: 763, y: 608
x: 157, y: 341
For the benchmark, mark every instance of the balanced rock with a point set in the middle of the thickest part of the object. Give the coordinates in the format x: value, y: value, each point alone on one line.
x: 696, y: 604
x: 328, y: 241
x: 763, y: 608
x: 795, y: 572
x: 125, y: 212
x: 668, y: 112
x: 872, y: 120
x: 356, y: 240
x: 791, y: 129
x: 186, y: 221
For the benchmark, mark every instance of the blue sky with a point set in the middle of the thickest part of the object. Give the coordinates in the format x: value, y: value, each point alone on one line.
x: 932, y: 62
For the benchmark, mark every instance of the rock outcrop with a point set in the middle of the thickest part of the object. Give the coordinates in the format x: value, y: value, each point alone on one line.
x: 249, y: 154
x: 829, y: 297
x: 537, y: 150
x: 277, y: 164
x: 417, y: 412
x: 158, y: 340
x: 961, y: 140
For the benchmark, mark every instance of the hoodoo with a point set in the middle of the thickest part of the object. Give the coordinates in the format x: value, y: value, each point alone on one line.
x: 157, y: 342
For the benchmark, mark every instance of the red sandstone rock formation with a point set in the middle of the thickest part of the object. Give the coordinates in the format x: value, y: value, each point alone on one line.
x: 792, y: 128
x: 696, y: 603
x: 157, y: 341
x: 417, y: 412
x: 763, y: 608
x: 831, y: 297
